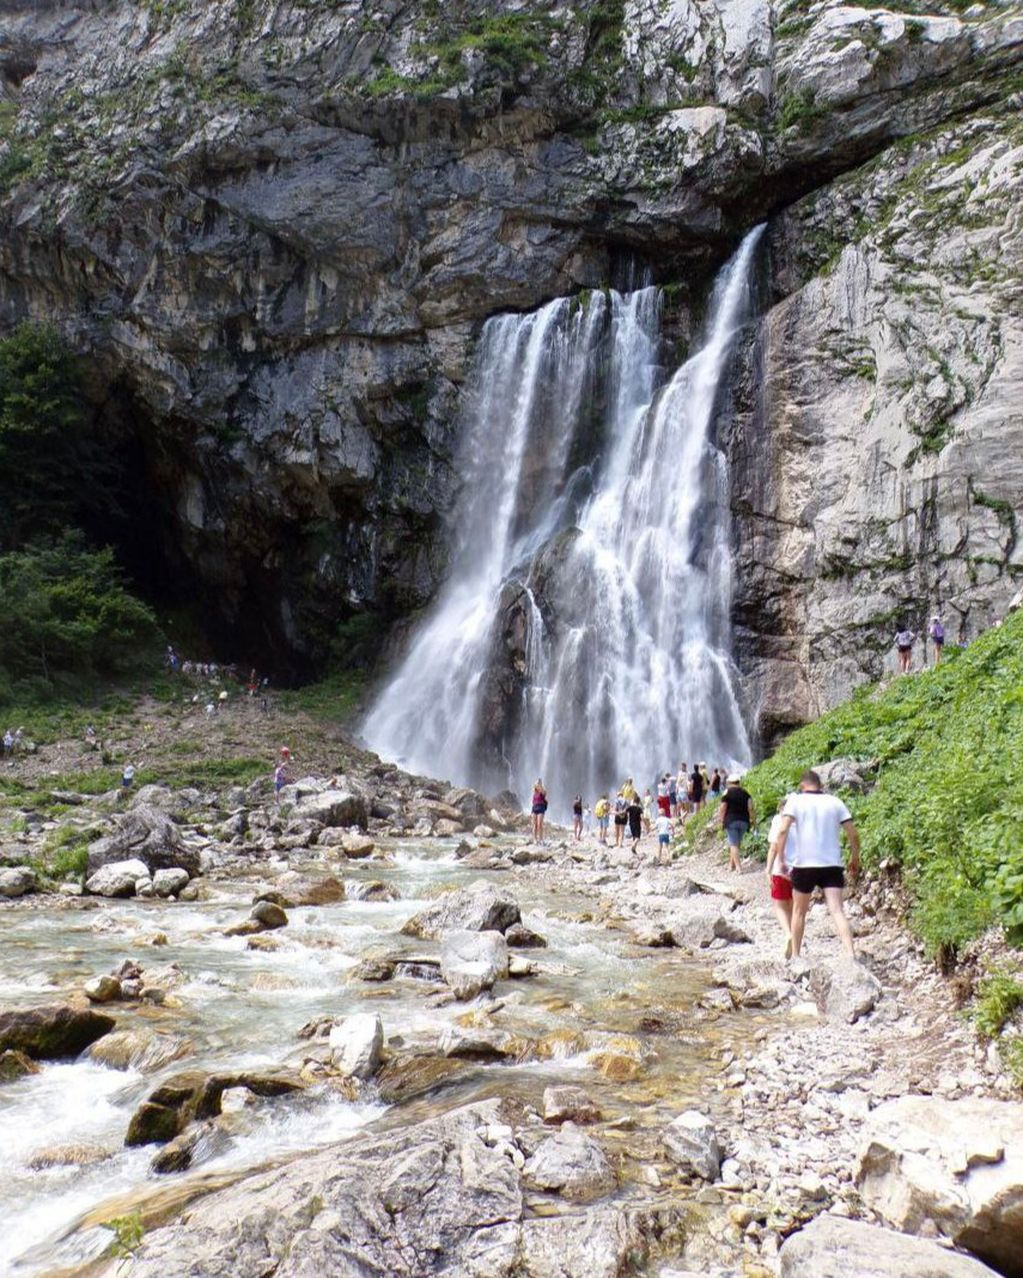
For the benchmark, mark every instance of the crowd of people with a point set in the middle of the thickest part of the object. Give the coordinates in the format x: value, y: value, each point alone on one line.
x: 12, y: 742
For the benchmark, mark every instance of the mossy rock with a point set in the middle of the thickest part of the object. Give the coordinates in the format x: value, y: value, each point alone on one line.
x: 52, y: 1033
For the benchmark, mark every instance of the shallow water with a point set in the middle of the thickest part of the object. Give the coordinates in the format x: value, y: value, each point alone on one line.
x: 241, y: 1007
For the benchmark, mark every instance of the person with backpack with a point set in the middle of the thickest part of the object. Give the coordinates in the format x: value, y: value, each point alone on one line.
x: 904, y: 641
x: 937, y: 637
x: 621, y: 813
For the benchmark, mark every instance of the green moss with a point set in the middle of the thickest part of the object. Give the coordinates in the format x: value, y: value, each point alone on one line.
x: 801, y: 110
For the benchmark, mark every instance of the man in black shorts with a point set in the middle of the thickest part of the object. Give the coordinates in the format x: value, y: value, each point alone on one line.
x: 813, y: 854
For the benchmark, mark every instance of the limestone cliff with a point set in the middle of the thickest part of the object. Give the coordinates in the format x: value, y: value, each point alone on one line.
x: 274, y: 226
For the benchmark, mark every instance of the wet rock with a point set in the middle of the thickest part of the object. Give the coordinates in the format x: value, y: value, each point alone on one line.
x: 76, y: 1155
x: 833, y: 1247
x: 261, y: 942
x: 717, y: 1001
x: 844, y: 990
x: 52, y: 1033
x: 268, y: 915
x: 292, y: 889
x: 357, y: 846
x: 18, y: 880
x: 192, y: 891
x: 373, y: 890
x: 564, y: 1104
x: 478, y: 1043
x: 519, y: 967
x: 692, y: 1145
x: 470, y: 962
x: 140, y: 1049
x: 409, y: 1075
x: 445, y: 829
x: 145, y: 834
x: 333, y: 808
x: 572, y: 1165
x: 116, y: 879
x: 653, y: 935
x: 477, y: 908
x: 15, y: 1065
x: 144, y: 886
x: 484, y: 832
x: 199, y: 1142
x: 356, y: 1045
x: 958, y: 1164
x: 373, y: 969
x: 152, y: 1124
x: 168, y: 883
x: 194, y: 1095
x: 102, y: 989
x: 521, y: 937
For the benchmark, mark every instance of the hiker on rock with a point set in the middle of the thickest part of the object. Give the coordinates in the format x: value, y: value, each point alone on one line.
x: 815, y: 857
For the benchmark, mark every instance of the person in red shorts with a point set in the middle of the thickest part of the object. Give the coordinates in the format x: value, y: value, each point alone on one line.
x: 779, y: 879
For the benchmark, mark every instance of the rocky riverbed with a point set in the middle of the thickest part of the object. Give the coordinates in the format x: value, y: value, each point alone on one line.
x: 375, y: 1029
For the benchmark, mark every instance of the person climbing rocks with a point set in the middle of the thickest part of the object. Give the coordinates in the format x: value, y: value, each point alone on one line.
x: 904, y: 646
x: 815, y: 859
x: 936, y: 633
x: 577, y: 817
x: 736, y: 815
x: 621, y: 818
x: 602, y: 811
x: 635, y: 815
x: 778, y: 877
x: 538, y: 807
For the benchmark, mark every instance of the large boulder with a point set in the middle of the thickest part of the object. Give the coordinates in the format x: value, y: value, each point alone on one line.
x: 572, y: 1165
x: 844, y: 990
x: 356, y: 1045
x: 52, y: 1033
x: 478, y: 908
x: 846, y: 774
x: 117, y: 879
x: 470, y: 962
x: 956, y: 1164
x: 18, y: 880
x: 292, y: 889
x: 167, y: 883
x: 696, y: 921
x: 194, y: 1095
x: 333, y: 808
x: 145, y: 834
x: 833, y: 1247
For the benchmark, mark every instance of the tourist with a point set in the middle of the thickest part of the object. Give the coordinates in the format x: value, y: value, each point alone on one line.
x: 937, y: 637
x: 816, y: 859
x: 648, y: 809
x: 672, y: 795
x: 682, y: 791
x: 635, y: 815
x: 621, y: 813
x: 577, y: 817
x: 628, y: 790
x: 280, y: 779
x: 716, y: 781
x: 538, y: 808
x: 695, y: 789
x: 9, y: 741
x: 663, y: 796
x: 735, y: 816
x: 904, y: 645
x: 778, y: 875
x: 127, y: 778
x: 663, y: 826
x: 587, y: 820
x: 602, y: 811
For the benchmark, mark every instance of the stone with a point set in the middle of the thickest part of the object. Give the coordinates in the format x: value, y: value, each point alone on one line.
x: 653, y: 936
x: 373, y: 890
x: 195, y: 1096
x: 470, y: 962
x: 15, y: 1065
x: 118, y: 878
x: 955, y: 1163
x: 167, y: 883
x: 356, y: 1045
x: 76, y: 1155
x: 373, y: 969
x: 697, y: 921
x: 144, y: 887
x: 478, y: 908
x: 18, y: 880
x: 484, y: 832
x: 332, y: 808
x: 268, y: 915
x: 521, y: 937
x: 146, y: 834
x: 291, y: 890
x: 357, y: 846
x: 138, y: 1048
x: 565, y: 1103
x: 445, y: 829
x: 833, y: 1247
x: 692, y: 1145
x: 102, y: 989
x: 843, y: 989
x: 477, y: 1043
x: 52, y: 1033
x: 845, y: 774
x: 570, y: 1164
x: 195, y: 1144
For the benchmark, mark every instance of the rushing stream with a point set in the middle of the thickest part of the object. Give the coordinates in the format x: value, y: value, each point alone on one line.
x: 584, y: 634
x: 238, y: 1007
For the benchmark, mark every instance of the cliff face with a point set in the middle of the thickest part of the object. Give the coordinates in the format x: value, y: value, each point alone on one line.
x: 275, y: 226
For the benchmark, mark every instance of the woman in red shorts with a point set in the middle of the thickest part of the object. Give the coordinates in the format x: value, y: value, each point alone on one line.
x: 778, y: 877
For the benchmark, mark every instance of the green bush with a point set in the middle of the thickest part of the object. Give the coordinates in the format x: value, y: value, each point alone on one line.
x: 998, y: 997
x: 947, y: 746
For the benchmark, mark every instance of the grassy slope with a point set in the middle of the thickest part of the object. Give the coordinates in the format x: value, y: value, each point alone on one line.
x: 948, y: 804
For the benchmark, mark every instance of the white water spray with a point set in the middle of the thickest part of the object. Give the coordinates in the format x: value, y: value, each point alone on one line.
x: 583, y: 635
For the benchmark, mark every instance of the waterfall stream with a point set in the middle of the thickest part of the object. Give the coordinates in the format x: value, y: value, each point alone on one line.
x: 584, y: 631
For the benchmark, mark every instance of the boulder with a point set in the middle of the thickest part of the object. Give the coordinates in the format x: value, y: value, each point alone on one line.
x: 698, y: 920
x: 373, y: 969
x: 356, y: 1045
x: 653, y: 936
x: 478, y: 908
x: 14, y: 1065
x: 138, y: 1048
x: 846, y: 774
x: 373, y: 890
x: 76, y: 1155
x: 18, y: 880
x: 333, y: 808
x: 292, y: 889
x: 194, y: 1095
x: 116, y: 879
x: 572, y: 1165
x: 268, y: 915
x: 146, y: 834
x: 521, y: 937
x: 563, y: 1104
x: 168, y: 883
x: 478, y: 1043
x: 844, y: 990
x: 692, y: 1145
x: 445, y: 829
x: 833, y: 1247
x: 102, y: 989
x: 357, y: 846
x: 471, y: 962
x: 52, y: 1033
x: 957, y: 1164
x: 199, y: 1142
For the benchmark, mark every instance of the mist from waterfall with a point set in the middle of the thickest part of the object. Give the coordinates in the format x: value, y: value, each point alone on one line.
x: 583, y: 634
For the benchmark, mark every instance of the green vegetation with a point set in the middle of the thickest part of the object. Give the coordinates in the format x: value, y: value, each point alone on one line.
x: 128, y: 1233
x: 334, y: 699
x: 801, y: 110
x: 947, y: 809
x: 999, y: 996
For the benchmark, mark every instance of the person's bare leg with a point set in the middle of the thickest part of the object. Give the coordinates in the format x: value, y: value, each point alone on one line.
x: 833, y: 900
x: 733, y: 858
x: 783, y: 913
x: 800, y: 908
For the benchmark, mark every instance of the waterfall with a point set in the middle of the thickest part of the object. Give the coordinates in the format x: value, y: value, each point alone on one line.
x: 583, y: 633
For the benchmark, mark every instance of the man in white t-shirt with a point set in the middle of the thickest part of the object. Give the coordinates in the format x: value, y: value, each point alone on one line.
x: 815, y: 856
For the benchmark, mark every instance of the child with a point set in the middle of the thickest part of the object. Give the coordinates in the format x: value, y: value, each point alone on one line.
x: 778, y: 877
x: 663, y: 827
x: 280, y: 780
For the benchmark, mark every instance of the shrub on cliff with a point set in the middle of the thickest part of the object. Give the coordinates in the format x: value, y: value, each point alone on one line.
x: 948, y: 803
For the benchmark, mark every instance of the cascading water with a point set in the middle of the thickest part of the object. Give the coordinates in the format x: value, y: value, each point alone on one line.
x: 583, y: 635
